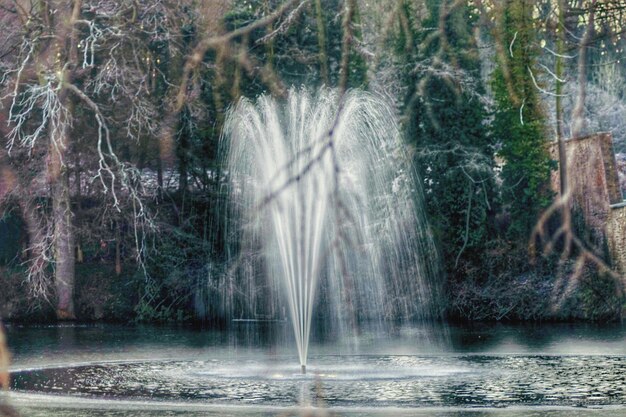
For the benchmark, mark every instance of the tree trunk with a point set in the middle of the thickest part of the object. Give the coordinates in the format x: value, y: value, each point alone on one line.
x: 321, y: 42
x: 78, y: 208
x: 183, y: 153
x: 578, y: 113
x: 159, y: 162
x: 63, y: 246
x: 118, y: 254
x: 559, y: 91
x: 59, y: 175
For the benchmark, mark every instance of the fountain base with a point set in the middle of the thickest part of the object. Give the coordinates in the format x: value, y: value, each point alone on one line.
x: 303, y: 368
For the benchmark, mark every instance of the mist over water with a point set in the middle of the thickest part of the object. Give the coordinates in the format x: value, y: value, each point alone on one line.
x: 327, y: 214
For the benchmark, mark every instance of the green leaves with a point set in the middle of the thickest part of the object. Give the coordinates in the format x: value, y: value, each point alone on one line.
x: 304, y: 48
x: 519, y: 124
x: 445, y: 121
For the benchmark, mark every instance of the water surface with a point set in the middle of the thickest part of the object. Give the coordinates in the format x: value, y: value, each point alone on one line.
x: 508, y: 370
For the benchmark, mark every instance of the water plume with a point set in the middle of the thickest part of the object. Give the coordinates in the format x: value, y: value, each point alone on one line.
x: 322, y: 189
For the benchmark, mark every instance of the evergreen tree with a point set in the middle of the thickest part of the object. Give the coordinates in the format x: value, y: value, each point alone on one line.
x: 444, y: 120
x: 519, y: 121
x: 305, y: 52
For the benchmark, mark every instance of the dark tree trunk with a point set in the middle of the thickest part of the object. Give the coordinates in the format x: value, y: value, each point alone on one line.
x: 183, y: 163
x: 118, y: 253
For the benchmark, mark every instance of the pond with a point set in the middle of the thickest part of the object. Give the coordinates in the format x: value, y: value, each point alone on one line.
x: 252, y: 369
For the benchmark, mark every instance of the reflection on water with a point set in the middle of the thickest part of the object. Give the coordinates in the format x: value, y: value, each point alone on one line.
x: 34, y: 346
x: 557, y: 339
x: 351, y: 381
x: 454, y: 371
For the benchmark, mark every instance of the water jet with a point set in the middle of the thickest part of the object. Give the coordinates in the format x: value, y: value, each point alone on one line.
x: 328, y: 206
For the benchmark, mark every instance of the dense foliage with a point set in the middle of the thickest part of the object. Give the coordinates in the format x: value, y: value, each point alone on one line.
x: 444, y: 115
x: 114, y: 192
x: 519, y: 122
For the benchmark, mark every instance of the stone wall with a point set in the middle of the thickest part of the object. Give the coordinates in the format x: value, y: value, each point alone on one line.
x: 616, y: 230
x: 596, y: 191
x: 212, y: 12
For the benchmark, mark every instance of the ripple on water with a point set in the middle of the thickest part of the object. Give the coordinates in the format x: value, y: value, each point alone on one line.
x: 346, y: 381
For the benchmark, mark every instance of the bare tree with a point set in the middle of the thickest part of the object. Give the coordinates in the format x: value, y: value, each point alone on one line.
x: 76, y: 60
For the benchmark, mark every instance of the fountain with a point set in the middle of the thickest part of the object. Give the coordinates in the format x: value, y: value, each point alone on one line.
x: 322, y: 187
x: 347, y: 249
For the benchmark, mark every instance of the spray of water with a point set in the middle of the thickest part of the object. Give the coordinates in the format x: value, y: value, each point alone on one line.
x: 322, y: 190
